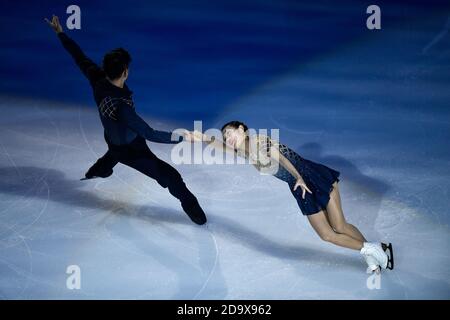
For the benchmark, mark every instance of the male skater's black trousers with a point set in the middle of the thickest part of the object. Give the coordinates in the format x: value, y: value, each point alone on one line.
x: 138, y: 156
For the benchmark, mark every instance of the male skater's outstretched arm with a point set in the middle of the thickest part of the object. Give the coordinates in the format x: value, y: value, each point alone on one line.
x: 91, y: 70
x: 124, y: 131
x: 94, y: 73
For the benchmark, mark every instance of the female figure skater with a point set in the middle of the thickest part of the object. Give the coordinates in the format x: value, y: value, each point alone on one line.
x: 314, y: 186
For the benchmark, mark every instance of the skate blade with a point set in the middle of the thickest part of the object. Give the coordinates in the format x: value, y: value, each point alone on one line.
x: 83, y: 179
x: 390, y: 253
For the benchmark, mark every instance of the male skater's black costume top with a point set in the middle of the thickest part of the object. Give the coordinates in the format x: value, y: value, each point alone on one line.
x: 125, y: 134
x: 115, y: 105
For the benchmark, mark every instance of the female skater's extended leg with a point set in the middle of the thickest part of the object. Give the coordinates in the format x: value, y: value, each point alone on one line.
x: 373, y: 254
x: 337, y: 219
x: 320, y: 224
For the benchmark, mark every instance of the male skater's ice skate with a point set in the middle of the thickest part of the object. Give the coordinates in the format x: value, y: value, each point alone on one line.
x: 124, y: 131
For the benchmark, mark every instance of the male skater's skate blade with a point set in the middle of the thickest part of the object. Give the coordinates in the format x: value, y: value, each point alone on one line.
x: 125, y: 132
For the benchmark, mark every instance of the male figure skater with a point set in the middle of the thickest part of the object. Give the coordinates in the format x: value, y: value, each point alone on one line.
x: 124, y: 131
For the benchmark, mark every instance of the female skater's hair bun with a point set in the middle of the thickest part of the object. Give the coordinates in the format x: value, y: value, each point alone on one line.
x: 234, y: 125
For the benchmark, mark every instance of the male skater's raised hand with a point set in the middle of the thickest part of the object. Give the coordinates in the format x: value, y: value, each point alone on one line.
x: 190, y: 136
x: 56, y: 26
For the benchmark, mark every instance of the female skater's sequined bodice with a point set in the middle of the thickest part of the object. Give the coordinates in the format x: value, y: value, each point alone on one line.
x: 260, y: 156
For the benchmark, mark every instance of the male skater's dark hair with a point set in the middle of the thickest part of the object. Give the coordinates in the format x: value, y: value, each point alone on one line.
x: 234, y: 125
x: 115, y: 62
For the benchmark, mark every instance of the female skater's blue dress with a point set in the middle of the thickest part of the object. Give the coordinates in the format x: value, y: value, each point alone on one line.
x: 318, y: 178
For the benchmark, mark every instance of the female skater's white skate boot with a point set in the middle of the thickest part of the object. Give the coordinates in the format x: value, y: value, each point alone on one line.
x: 375, y: 251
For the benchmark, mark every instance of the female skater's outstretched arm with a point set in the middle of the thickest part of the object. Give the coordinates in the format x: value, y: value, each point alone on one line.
x: 197, y: 136
x: 275, y: 155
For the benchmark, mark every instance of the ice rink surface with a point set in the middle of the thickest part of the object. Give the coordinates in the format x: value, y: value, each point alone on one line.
x: 377, y: 111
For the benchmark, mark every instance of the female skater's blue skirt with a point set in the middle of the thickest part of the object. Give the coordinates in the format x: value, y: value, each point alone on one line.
x: 319, y: 179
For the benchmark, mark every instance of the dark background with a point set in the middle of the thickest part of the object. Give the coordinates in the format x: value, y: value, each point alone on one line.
x: 191, y: 59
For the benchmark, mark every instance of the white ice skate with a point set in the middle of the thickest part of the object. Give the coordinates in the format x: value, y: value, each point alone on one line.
x: 376, y: 251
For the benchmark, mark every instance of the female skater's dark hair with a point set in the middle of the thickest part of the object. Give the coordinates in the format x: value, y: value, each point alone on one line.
x: 234, y: 125
x: 115, y: 62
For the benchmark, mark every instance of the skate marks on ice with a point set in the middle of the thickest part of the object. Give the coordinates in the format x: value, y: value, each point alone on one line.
x: 44, y: 212
x: 256, y: 245
x: 14, y: 227
x: 139, y: 230
x: 123, y: 223
x: 438, y: 38
x: 131, y: 228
